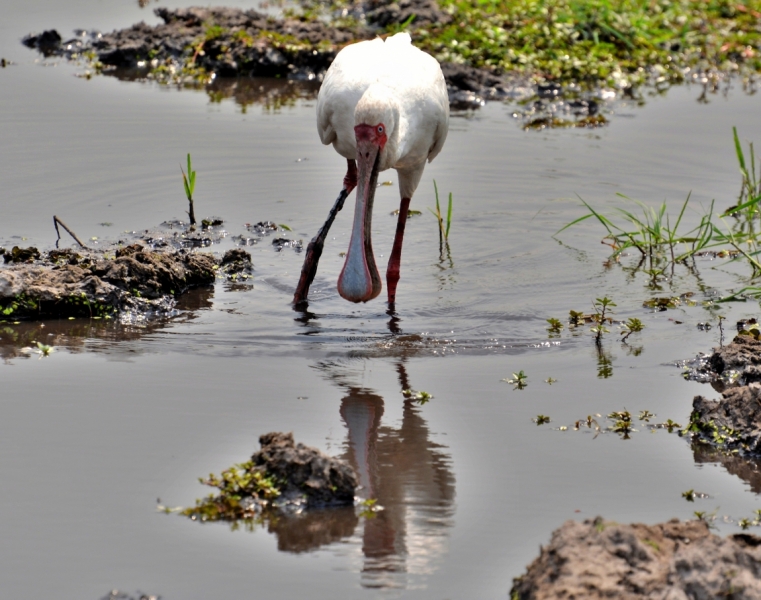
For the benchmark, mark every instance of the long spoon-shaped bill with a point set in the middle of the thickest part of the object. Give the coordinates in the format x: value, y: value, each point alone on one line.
x: 359, y: 280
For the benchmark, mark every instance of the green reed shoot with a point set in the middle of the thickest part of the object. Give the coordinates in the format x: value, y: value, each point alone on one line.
x: 443, y: 228
x: 750, y: 192
x: 189, y: 181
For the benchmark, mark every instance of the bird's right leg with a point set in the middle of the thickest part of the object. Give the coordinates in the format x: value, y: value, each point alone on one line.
x: 314, y: 249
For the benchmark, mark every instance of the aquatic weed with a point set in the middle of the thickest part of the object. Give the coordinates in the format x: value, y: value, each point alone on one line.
x: 519, y: 380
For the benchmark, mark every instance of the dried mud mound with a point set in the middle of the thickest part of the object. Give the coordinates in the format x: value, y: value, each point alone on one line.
x: 65, y: 283
x: 304, y: 472
x: 674, y: 560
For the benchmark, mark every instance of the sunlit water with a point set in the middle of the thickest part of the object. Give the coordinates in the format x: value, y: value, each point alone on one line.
x: 117, y: 416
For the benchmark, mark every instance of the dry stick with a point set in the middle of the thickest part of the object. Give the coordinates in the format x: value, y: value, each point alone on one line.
x: 56, y: 222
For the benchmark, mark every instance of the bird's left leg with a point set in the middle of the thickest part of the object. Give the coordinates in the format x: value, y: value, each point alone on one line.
x: 314, y: 249
x: 392, y: 274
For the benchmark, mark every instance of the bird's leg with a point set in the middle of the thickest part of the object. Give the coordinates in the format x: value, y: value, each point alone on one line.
x: 314, y: 249
x: 392, y: 274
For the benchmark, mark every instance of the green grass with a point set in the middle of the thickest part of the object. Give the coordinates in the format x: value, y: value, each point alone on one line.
x: 615, y: 42
x: 663, y: 241
x: 618, y: 43
x: 443, y: 225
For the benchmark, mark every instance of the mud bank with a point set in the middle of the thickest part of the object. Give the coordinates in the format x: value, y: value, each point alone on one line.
x: 200, y: 44
x: 283, y: 477
x: 132, y: 281
x: 732, y: 423
x: 679, y: 560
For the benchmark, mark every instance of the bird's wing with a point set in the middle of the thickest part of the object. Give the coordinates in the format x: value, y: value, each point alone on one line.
x: 352, y: 71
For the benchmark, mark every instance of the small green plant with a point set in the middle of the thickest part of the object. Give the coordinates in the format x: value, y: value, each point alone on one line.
x: 550, y: 380
x: 44, y: 349
x: 555, y: 326
x: 645, y: 415
x: 689, y: 495
x: 240, y: 487
x: 622, y: 423
x: 603, y: 308
x: 541, y: 419
x: 519, y: 380
x: 189, y: 181
x: 632, y: 325
x: 744, y: 523
x: 370, y: 508
x: 419, y: 397
x: 670, y: 425
x: 443, y: 228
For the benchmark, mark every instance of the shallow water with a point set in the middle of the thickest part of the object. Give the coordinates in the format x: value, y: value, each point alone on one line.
x: 120, y: 415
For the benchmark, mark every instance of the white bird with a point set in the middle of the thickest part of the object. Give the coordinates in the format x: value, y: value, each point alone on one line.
x: 383, y: 105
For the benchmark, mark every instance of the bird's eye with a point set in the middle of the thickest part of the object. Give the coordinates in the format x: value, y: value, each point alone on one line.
x: 380, y: 128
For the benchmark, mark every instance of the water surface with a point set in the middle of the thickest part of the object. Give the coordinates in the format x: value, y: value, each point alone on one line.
x: 119, y: 416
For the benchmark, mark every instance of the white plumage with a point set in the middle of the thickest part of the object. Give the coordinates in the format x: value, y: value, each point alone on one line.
x: 383, y: 104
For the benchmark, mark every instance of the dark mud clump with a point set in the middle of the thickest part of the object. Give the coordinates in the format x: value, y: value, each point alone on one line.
x: 196, y: 44
x: 733, y: 423
x: 228, y: 42
x: 601, y: 559
x: 131, y: 281
x: 283, y: 477
x: 236, y: 264
x: 304, y: 472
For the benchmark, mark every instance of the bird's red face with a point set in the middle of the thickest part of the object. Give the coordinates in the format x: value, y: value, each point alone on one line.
x: 374, y: 135
x: 359, y: 280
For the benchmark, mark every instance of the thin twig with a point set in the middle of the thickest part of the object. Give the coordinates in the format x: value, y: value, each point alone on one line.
x: 56, y: 222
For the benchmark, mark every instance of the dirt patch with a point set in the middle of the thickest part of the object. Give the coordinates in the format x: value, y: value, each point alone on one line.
x: 731, y: 424
x: 283, y: 477
x: 602, y: 559
x: 133, y: 280
x: 199, y: 44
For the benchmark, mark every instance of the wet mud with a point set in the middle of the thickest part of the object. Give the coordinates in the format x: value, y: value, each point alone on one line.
x: 602, y: 559
x: 731, y: 424
x: 211, y: 46
x: 85, y: 283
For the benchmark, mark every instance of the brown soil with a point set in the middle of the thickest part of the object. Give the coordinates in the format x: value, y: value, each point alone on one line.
x: 676, y: 560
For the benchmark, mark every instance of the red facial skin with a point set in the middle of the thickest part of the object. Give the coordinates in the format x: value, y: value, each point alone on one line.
x: 359, y: 280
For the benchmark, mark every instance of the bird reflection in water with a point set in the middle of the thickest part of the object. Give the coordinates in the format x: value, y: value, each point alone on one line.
x: 409, y: 475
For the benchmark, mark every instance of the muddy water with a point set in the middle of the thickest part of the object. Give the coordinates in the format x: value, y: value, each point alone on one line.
x: 119, y: 416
